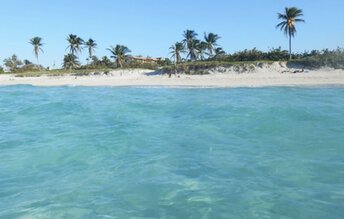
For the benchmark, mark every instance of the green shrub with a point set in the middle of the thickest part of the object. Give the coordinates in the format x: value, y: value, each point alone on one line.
x: 152, y: 66
x: 255, y: 55
x: 317, y: 59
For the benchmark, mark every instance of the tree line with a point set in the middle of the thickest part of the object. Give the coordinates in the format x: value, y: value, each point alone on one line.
x: 189, y: 49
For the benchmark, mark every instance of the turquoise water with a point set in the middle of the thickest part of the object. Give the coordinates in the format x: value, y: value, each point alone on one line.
x: 75, y: 152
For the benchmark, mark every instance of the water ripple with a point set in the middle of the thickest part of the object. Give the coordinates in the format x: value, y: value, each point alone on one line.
x: 77, y: 152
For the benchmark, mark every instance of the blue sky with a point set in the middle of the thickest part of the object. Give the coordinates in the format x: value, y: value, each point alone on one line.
x: 150, y: 27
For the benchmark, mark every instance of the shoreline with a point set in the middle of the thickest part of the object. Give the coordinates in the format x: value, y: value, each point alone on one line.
x: 142, y: 78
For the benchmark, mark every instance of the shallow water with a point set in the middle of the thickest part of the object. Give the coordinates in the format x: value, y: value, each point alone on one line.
x: 76, y: 152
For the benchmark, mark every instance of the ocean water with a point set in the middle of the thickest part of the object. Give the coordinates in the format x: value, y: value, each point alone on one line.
x: 101, y: 152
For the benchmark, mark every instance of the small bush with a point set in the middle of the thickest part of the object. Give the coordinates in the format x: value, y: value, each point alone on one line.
x: 318, y: 59
x: 255, y: 55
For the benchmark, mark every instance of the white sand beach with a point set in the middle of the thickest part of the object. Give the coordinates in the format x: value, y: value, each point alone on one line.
x: 135, y: 77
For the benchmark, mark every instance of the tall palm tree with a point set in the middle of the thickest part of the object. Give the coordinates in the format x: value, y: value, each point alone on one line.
x: 289, y: 18
x: 91, y: 45
x: 201, y: 48
x: 211, y: 40
x: 71, y: 40
x: 37, y: 44
x: 194, y: 49
x: 75, y: 44
x: 177, y: 49
x: 190, y: 42
x: 119, y: 53
x: 70, y: 61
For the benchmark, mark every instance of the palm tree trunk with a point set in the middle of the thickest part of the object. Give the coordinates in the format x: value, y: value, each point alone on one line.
x: 39, y: 66
x: 119, y: 63
x: 90, y: 53
x: 289, y: 46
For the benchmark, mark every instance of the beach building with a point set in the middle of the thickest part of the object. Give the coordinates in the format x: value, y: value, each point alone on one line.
x: 144, y: 60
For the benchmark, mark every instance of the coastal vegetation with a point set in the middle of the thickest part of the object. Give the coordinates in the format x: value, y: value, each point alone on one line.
x: 70, y: 61
x: 308, y: 59
x: 193, y: 53
x: 211, y: 43
x: 289, y: 18
x: 75, y: 44
x: 317, y: 59
x: 195, y: 48
x: 191, y: 44
x: 101, y: 63
x: 120, y: 54
x: 176, y: 50
x: 246, y: 59
x: 91, y: 45
x: 37, y: 44
x: 15, y: 65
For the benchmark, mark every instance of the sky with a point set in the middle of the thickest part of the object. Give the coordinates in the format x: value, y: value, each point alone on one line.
x: 150, y: 27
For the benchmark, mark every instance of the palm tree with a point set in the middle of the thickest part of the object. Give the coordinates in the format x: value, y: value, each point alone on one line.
x: 37, y: 44
x: 190, y: 42
x: 119, y: 53
x: 211, y: 41
x: 75, y: 44
x: 70, y: 61
x: 177, y: 49
x: 290, y: 17
x: 219, y: 52
x: 91, y: 45
x: 201, y: 48
x: 71, y: 40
